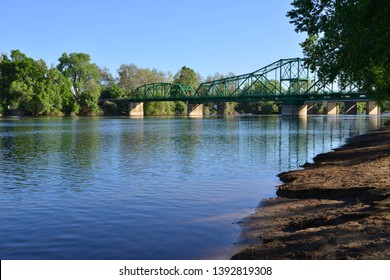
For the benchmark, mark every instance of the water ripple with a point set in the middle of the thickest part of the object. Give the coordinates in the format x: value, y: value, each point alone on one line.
x: 118, y: 188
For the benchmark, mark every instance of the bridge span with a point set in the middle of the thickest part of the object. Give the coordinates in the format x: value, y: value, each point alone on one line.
x: 288, y: 82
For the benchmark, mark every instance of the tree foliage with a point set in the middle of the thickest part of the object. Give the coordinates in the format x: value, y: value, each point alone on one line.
x: 348, y: 40
x: 84, y: 77
x: 76, y: 86
x: 131, y: 77
x: 29, y: 87
x: 188, y: 77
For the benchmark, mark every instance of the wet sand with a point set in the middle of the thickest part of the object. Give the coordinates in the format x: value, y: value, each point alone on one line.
x: 335, y: 208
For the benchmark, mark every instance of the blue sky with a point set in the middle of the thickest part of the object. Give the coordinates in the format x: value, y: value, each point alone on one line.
x: 207, y: 35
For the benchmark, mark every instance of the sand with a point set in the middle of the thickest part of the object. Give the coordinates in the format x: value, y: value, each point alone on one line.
x: 335, y: 208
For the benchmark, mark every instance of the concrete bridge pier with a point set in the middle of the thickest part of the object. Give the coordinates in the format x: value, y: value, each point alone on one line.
x: 294, y: 110
x: 195, y: 110
x: 332, y: 108
x: 136, y: 110
x: 350, y: 108
x: 372, y: 108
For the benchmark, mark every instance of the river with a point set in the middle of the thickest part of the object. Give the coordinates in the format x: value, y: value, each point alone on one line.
x: 152, y: 188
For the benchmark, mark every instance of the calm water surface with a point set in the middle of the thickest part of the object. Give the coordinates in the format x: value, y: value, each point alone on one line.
x: 119, y: 188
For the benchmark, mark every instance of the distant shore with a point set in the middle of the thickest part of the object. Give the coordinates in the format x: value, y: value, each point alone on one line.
x: 336, y: 208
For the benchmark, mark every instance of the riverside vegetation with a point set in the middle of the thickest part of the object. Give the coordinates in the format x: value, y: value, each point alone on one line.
x: 75, y: 86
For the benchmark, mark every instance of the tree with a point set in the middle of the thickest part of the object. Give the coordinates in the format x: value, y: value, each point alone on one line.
x: 109, y: 86
x: 188, y: 77
x: 348, y: 40
x: 60, y: 87
x: 131, y: 77
x: 29, y: 87
x: 105, y: 77
x: 19, y: 75
x: 84, y: 77
x: 112, y: 91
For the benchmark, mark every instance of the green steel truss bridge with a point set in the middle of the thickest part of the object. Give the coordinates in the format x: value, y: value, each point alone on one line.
x: 286, y: 81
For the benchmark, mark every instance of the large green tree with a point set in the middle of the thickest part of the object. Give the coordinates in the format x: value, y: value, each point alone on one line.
x: 188, y: 77
x: 84, y: 76
x: 109, y: 86
x: 131, y: 77
x: 348, y: 40
x: 60, y: 88
x: 27, y: 86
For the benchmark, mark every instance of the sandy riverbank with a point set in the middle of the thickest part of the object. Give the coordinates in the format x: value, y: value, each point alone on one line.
x: 336, y: 208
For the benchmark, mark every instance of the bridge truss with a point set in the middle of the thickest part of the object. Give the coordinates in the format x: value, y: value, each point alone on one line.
x: 287, y: 81
x: 163, y: 92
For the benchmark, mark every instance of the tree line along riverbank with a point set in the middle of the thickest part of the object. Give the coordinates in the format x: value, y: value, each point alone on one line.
x: 76, y: 85
x: 335, y: 208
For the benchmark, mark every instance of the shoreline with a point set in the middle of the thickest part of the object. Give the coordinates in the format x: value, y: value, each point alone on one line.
x: 335, y: 208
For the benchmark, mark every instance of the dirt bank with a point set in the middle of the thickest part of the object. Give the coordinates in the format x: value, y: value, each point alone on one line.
x: 336, y: 208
